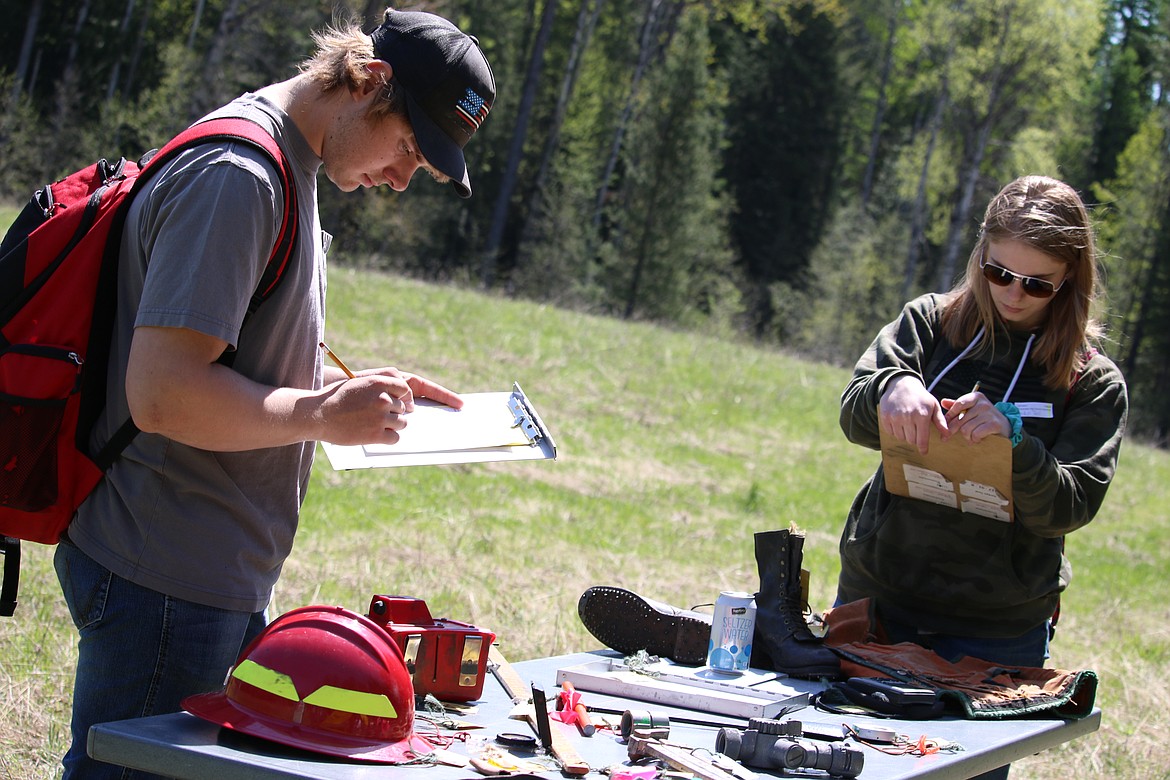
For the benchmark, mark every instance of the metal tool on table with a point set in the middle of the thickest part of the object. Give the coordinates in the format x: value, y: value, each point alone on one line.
x: 675, y: 757
x: 571, y: 762
x: 645, y: 724
x: 656, y: 724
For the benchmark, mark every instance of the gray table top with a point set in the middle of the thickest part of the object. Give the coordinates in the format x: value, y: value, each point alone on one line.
x: 183, y: 746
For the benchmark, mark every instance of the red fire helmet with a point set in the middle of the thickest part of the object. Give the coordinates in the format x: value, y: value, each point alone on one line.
x: 323, y: 679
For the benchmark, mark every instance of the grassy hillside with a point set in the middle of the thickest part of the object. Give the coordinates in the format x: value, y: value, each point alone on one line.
x: 673, y: 450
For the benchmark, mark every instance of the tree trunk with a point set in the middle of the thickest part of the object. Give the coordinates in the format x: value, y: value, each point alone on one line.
x: 880, y: 114
x: 26, y: 47
x: 586, y: 23
x: 136, y: 53
x: 645, y: 50
x: 968, y: 179
x: 1137, y: 334
x: 920, y: 212
x: 115, y: 72
x: 75, y: 39
x: 516, y: 149
x: 35, y: 76
x: 1154, y: 315
x: 67, y: 92
x: 1150, y: 288
x: 195, y: 20
x: 221, y: 42
x: 969, y: 174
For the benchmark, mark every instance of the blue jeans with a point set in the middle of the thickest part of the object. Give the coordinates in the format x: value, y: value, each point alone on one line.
x: 1030, y: 649
x: 140, y: 652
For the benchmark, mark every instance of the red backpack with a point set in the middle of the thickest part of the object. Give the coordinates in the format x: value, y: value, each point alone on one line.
x: 58, y: 269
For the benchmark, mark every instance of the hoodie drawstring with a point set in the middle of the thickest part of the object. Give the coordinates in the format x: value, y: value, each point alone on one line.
x: 969, y: 347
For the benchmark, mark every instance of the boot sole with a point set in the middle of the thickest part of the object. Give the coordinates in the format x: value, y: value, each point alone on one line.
x: 626, y: 622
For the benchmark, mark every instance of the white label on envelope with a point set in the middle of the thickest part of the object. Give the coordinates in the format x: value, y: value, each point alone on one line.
x: 934, y: 495
x: 981, y: 492
x: 925, y: 477
x: 984, y: 509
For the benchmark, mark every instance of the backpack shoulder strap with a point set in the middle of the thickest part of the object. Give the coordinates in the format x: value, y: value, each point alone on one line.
x: 240, y: 129
x: 224, y: 128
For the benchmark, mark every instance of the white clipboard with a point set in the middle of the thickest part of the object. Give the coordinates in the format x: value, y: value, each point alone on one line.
x: 496, y: 426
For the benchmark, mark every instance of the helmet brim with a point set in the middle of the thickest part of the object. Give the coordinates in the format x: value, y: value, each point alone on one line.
x: 218, y: 708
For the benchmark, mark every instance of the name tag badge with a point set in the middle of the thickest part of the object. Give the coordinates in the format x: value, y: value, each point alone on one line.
x: 1035, y: 409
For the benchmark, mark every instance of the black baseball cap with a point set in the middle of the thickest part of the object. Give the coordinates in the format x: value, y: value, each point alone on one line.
x: 448, y: 84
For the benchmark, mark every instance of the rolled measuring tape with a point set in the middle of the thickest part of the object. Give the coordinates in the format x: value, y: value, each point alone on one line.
x: 645, y: 724
x: 514, y: 740
x: 874, y: 734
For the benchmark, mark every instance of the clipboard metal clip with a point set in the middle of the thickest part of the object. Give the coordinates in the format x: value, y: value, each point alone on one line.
x: 524, y: 417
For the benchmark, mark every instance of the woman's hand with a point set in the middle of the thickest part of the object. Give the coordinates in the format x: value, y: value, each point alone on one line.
x: 907, y: 411
x: 974, y: 417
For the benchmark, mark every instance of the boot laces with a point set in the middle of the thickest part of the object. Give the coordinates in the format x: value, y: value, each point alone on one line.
x: 794, y: 620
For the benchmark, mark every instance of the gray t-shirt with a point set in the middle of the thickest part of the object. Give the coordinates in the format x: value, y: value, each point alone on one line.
x: 212, y: 527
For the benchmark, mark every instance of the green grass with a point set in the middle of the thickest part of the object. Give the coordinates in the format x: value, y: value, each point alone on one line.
x: 673, y: 450
x: 8, y: 213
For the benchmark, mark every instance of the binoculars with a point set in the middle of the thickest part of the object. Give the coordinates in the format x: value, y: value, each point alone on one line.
x: 777, y: 744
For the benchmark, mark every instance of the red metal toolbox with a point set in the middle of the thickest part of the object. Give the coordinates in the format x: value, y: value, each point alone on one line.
x: 446, y: 658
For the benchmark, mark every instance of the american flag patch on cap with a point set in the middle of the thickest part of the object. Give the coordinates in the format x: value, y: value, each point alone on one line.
x: 472, y: 108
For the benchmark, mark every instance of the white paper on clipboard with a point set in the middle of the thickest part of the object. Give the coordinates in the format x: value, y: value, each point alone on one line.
x: 494, y: 426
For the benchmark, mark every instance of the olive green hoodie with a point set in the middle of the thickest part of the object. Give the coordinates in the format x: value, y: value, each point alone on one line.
x: 947, y: 571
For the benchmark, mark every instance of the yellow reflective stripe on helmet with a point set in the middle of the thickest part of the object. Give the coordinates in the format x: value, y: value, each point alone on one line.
x: 357, y: 702
x: 266, y: 679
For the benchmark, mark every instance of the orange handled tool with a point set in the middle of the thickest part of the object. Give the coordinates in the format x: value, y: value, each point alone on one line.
x: 583, y: 721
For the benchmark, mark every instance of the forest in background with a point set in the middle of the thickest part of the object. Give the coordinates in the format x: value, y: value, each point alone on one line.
x: 788, y: 171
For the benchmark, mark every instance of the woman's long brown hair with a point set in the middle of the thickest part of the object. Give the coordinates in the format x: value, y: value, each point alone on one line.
x: 1046, y: 214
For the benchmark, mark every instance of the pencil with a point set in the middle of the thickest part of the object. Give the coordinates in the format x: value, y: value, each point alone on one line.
x: 974, y: 389
x: 337, y: 360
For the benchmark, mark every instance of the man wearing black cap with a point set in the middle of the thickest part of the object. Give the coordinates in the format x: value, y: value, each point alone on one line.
x: 168, y: 567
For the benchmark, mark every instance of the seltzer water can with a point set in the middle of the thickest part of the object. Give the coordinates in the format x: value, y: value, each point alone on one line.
x: 732, y: 627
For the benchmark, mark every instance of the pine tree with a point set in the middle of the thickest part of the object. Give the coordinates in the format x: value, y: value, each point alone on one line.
x: 667, y: 257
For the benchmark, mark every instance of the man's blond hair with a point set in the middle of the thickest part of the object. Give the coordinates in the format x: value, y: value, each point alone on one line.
x: 343, y: 54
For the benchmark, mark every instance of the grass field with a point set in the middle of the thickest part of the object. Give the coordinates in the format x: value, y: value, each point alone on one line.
x: 673, y: 450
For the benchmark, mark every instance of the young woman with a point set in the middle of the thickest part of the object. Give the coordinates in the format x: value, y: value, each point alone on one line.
x: 1019, y: 328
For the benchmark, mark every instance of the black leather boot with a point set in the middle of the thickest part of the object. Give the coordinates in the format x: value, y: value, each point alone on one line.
x: 627, y: 622
x: 783, y: 641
